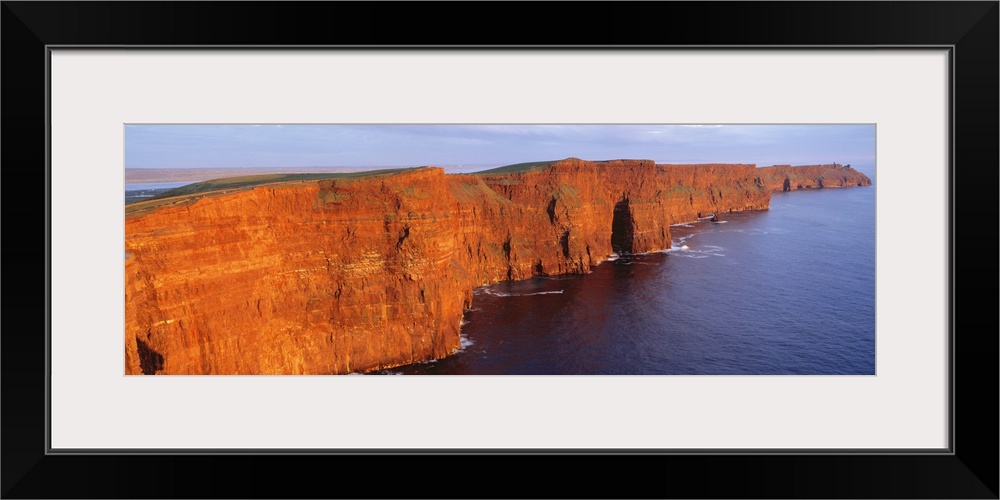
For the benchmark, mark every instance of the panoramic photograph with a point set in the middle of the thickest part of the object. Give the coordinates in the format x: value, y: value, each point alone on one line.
x: 506, y: 249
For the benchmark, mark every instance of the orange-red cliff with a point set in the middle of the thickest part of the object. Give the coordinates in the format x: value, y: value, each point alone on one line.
x: 787, y: 177
x: 357, y: 274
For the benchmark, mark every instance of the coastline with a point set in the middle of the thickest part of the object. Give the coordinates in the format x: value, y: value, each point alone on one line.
x: 406, y: 234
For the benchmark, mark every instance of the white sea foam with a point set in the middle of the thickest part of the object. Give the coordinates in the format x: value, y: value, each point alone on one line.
x: 697, y: 252
x: 682, y: 248
x: 495, y: 293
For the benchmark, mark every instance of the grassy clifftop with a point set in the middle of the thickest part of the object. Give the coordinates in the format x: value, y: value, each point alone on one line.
x: 518, y: 167
x: 191, y: 192
x: 258, y: 180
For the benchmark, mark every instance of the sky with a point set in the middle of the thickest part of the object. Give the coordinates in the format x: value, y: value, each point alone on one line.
x: 242, y: 146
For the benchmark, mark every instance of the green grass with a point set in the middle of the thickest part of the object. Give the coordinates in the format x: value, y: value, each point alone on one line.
x: 191, y: 192
x: 258, y: 180
x: 468, y: 192
x: 533, y: 166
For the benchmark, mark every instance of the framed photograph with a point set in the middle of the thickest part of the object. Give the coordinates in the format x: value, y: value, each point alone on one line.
x: 869, y: 393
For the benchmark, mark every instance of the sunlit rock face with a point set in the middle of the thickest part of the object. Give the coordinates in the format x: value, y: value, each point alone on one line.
x: 359, y: 274
x: 320, y: 277
x: 789, y: 178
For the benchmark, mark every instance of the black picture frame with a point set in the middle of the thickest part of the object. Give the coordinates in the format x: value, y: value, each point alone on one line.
x: 969, y: 28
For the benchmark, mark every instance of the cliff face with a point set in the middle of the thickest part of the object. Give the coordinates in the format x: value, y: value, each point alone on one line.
x: 788, y: 178
x: 321, y: 277
x: 573, y: 215
x: 348, y: 275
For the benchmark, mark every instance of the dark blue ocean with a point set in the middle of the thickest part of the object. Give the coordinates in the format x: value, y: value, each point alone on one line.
x: 790, y: 290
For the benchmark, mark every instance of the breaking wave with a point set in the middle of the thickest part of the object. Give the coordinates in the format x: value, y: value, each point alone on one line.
x: 682, y: 248
x: 465, y: 342
x: 697, y: 253
x: 495, y: 293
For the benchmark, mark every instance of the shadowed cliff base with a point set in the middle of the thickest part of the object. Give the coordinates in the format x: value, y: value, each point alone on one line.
x: 365, y: 271
x: 150, y: 361
x: 621, y: 228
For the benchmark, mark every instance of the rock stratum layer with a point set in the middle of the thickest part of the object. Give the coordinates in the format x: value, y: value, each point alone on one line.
x: 358, y: 274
